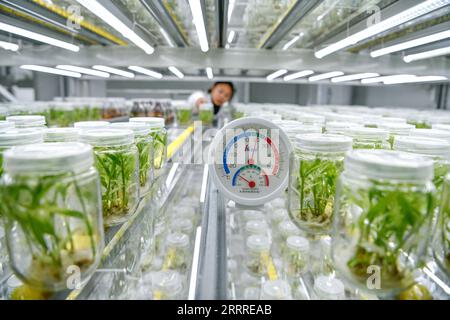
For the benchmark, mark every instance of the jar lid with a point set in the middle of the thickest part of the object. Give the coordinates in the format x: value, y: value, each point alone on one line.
x: 440, y: 126
x: 423, y: 145
x: 304, y: 117
x: 178, y: 239
x: 168, y: 281
x: 286, y: 123
x: 431, y: 133
x: 278, y: 203
x: 279, y: 214
x: 6, y: 125
x: 206, y: 107
x: 392, y: 120
x: 88, y: 125
x: 323, y: 142
x: 152, y: 122
x: 366, y: 133
x: 439, y: 119
x: 397, y: 127
x: 27, y: 121
x: 288, y: 228
x: 182, y: 225
x: 386, y: 164
x: 49, y: 157
x: 292, y: 131
x: 186, y: 211
x: 329, y: 287
x: 297, y: 243
x: 139, y: 129
x: 248, y: 215
x: 16, y: 137
x: 276, y: 290
x: 334, y: 125
x: 332, y: 116
x: 107, y: 137
x: 61, y: 134
x: 258, y: 242
x: 256, y: 226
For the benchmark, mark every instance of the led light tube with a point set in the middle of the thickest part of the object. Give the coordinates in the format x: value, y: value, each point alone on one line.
x: 87, y: 71
x: 114, y: 71
x: 9, y: 46
x: 199, y: 23
x: 276, y: 74
x: 299, y: 74
x: 382, y: 79
x: 353, y: 77
x: 176, y: 72
x: 415, y: 79
x: 291, y: 42
x: 327, y: 75
x: 209, y: 73
x: 427, y: 55
x: 147, y: 72
x: 51, y: 70
x: 231, y: 36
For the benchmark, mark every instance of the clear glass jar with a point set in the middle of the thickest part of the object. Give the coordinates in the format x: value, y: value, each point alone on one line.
x: 396, y: 130
x: 315, y: 166
x: 167, y: 285
x: 183, y: 113
x: 144, y: 144
x: 206, y: 114
x: 17, y: 137
x: 328, y: 288
x: 296, y: 256
x: 117, y: 160
x: 159, y: 135
x: 383, y: 216
x: 256, y: 227
x: 61, y: 135
x: 53, y: 222
x: 28, y: 121
x: 276, y: 290
x: 258, y: 253
x: 91, y: 125
x: 277, y: 216
x: 368, y: 138
x: 177, y: 255
x: 441, y: 243
x: 182, y: 225
x: 6, y: 125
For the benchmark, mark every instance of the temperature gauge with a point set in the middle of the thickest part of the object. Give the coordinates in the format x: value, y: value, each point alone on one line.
x: 249, y: 161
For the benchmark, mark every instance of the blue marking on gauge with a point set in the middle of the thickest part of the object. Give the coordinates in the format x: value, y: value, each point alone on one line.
x: 231, y: 143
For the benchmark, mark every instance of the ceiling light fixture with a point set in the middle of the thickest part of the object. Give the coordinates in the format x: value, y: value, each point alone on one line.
x: 327, y: 75
x: 276, y: 74
x: 176, y: 72
x: 427, y: 54
x: 299, y: 74
x: 147, y: 72
x: 353, y: 77
x: 115, y: 71
x: 51, y: 70
x: 81, y: 70
x: 199, y: 22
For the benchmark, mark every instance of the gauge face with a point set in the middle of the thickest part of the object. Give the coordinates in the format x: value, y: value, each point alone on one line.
x: 249, y: 161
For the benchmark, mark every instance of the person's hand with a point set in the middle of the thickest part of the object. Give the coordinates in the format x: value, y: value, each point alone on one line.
x: 200, y: 101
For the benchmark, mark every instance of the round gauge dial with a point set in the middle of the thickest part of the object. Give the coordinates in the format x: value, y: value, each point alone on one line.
x: 249, y: 161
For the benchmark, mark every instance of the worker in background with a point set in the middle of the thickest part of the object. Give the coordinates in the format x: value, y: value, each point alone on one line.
x: 219, y: 95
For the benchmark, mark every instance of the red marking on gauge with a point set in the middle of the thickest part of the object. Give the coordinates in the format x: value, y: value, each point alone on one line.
x: 252, y: 184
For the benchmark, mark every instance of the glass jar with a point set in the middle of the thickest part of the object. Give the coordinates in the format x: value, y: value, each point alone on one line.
x: 383, y: 216
x: 368, y: 138
x: 17, y: 137
x: 159, y: 135
x: 117, y: 160
x: 296, y: 256
x: 276, y: 290
x: 138, y: 109
x: 28, y: 121
x: 258, y: 253
x: 315, y: 166
x: 441, y: 244
x: 182, y: 225
x: 6, y: 125
x: 144, y: 144
x: 167, y: 285
x: 328, y: 288
x: 292, y: 131
x: 177, y: 255
x: 91, y: 125
x: 277, y: 216
x: 396, y: 130
x: 61, y: 135
x: 53, y: 222
x: 206, y: 114
x: 256, y: 227
x: 183, y: 112
x: 431, y: 133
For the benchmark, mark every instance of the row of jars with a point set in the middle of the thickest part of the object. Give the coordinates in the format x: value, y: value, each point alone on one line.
x: 161, y: 108
x: 58, y: 195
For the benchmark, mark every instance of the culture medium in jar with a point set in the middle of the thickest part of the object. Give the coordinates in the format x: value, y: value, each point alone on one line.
x: 257, y: 255
x: 61, y: 135
x: 117, y: 160
x: 328, y: 288
x: 296, y: 256
x: 53, y: 222
x: 167, y: 285
x: 159, y: 135
x: 177, y: 255
x: 383, y: 214
x: 206, y: 113
x: 144, y: 144
x: 315, y: 165
x: 17, y: 137
x: 276, y: 290
x: 183, y: 112
x: 368, y: 138
x: 441, y: 239
x: 28, y: 121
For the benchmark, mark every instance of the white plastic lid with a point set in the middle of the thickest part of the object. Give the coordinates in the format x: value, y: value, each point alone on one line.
x: 151, y: 122
x: 258, y: 242
x: 107, y: 137
x: 331, y: 116
x: 392, y: 120
x: 386, y: 164
x: 276, y: 290
x: 423, y: 145
x: 49, y: 157
x: 445, y: 127
x: 139, y: 129
x: 206, y: 107
x: 292, y: 131
x: 17, y: 137
x: 248, y: 215
x: 297, y: 243
x: 323, y: 142
x: 397, y: 128
x: 182, y: 224
x: 88, y: 125
x: 304, y: 117
x: 329, y: 287
x: 6, y: 125
x: 256, y: 227
x: 167, y: 281
x: 61, y: 135
x: 27, y: 121
x: 367, y: 133
x: 178, y: 240
x: 287, y: 228
x: 278, y: 203
x: 338, y: 126
x: 431, y: 133
x: 279, y: 215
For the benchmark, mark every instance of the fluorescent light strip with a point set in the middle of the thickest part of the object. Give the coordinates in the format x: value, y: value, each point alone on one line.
x: 382, y: 79
x: 292, y: 41
x: 411, y: 44
x: 118, y: 72
x: 230, y: 9
x: 299, y: 74
x: 51, y: 70
x: 166, y: 36
x: 100, y: 11
x: 87, y: 71
x: 396, y: 20
x: 231, y: 36
x: 199, y: 22
x: 9, y: 46
x: 176, y: 72
x: 38, y: 37
x: 427, y: 54
x: 415, y: 79
x: 353, y: 77
x: 147, y: 72
x: 327, y: 75
x: 209, y: 73
x: 276, y: 74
